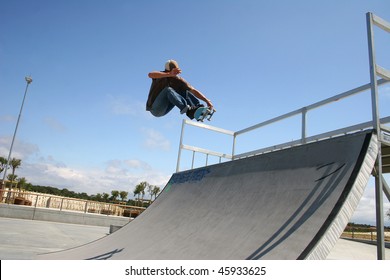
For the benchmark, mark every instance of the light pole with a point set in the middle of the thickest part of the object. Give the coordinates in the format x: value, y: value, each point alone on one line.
x: 28, y: 80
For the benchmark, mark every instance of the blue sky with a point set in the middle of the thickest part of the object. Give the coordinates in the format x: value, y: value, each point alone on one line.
x: 84, y: 124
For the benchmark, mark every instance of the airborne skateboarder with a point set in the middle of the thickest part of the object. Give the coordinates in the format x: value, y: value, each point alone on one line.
x: 168, y: 90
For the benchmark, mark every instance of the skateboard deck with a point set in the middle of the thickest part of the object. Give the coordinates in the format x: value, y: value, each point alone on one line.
x: 203, y: 113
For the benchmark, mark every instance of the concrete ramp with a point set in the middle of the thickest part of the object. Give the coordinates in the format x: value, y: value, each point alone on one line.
x: 288, y: 204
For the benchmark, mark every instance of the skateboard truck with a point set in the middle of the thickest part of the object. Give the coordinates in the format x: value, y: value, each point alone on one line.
x: 206, y: 114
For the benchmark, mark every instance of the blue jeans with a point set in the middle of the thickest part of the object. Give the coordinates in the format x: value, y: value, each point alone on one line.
x: 169, y: 98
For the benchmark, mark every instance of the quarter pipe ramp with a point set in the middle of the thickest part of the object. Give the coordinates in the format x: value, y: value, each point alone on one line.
x: 287, y: 204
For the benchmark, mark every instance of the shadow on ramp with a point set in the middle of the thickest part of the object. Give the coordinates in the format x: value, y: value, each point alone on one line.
x: 288, y: 204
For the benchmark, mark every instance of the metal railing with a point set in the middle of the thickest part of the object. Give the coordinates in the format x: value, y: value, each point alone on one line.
x: 201, y: 150
x: 304, y: 137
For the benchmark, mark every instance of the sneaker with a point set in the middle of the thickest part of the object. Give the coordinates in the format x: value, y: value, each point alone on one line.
x: 185, y: 109
x: 191, y: 111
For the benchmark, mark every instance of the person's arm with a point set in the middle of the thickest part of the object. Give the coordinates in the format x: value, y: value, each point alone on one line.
x: 158, y: 75
x: 200, y: 95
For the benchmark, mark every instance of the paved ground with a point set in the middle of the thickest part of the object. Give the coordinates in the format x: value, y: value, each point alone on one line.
x: 24, y: 239
x: 353, y: 250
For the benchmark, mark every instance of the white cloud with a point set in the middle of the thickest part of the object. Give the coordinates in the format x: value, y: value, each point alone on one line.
x: 155, y: 140
x: 54, y: 124
x: 21, y: 150
x: 117, y: 175
x: 126, y: 166
x: 137, y: 164
x: 115, y: 167
x: 8, y: 119
x: 123, y: 106
x: 365, y: 212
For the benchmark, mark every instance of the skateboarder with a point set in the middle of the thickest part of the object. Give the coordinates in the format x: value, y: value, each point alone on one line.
x: 168, y: 90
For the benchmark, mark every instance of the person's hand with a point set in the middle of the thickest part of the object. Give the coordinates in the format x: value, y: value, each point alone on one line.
x: 210, y: 105
x: 175, y: 71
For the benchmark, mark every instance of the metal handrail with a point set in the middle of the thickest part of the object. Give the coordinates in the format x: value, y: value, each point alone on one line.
x: 304, y: 139
x: 333, y: 133
x: 305, y: 109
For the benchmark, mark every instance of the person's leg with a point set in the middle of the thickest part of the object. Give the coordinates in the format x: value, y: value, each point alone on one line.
x: 177, y: 99
x: 161, y: 106
x: 192, y: 100
x: 194, y: 104
x: 166, y: 100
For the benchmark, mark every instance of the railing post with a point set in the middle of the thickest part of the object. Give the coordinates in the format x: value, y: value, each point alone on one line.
x: 234, y: 146
x: 304, y: 112
x: 180, y: 146
x: 377, y: 129
x: 193, y: 159
x: 374, y: 86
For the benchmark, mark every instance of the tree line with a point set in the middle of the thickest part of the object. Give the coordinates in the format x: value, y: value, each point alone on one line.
x: 116, y: 196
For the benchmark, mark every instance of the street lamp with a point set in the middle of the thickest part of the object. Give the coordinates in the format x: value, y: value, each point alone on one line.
x: 28, y: 80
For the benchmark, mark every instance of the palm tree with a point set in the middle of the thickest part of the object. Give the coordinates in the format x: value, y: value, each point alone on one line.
x: 137, y: 191
x: 98, y: 197
x: 21, y: 182
x: 12, y: 178
x: 114, y: 195
x: 144, y: 185
x: 153, y: 191
x: 123, y: 195
x: 3, y: 163
x: 105, y: 196
x: 150, y: 191
x: 140, y: 190
x: 156, y: 190
x: 15, y: 163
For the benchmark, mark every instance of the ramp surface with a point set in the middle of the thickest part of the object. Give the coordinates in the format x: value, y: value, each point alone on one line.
x: 288, y: 204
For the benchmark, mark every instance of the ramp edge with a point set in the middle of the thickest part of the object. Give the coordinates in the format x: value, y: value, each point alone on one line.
x: 333, y: 232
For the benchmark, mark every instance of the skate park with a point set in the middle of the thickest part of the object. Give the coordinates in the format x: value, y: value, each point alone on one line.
x: 288, y: 201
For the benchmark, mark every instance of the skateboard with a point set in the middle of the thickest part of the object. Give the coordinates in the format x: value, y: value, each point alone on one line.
x: 203, y: 113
